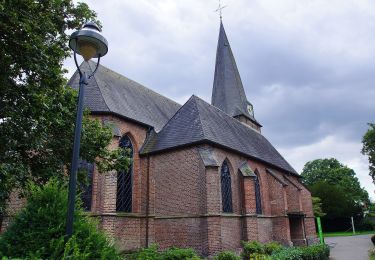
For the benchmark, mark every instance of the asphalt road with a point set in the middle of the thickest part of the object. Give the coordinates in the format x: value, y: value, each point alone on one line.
x: 350, y: 248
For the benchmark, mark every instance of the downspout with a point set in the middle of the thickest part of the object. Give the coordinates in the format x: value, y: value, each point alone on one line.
x: 147, y: 198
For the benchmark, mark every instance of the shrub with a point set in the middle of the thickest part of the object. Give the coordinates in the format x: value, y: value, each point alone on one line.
x: 257, y: 256
x: 314, y: 252
x: 149, y: 253
x: 373, y: 239
x: 253, y: 247
x: 175, y: 253
x: 271, y: 247
x: 227, y: 255
x: 291, y: 253
x: 38, y: 230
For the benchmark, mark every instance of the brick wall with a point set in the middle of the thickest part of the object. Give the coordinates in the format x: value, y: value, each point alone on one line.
x: 265, y: 232
x: 281, y: 230
x: 105, y: 185
x: 128, y: 229
x: 277, y: 201
x: 182, y: 199
x: 181, y: 232
x: 293, y: 196
x: 231, y: 233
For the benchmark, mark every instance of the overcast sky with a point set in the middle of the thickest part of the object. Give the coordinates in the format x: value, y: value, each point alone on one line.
x: 308, y: 66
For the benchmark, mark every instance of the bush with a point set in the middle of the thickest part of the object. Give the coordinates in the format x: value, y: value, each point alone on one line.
x: 257, y: 256
x: 227, y: 255
x: 365, y: 225
x: 175, y: 253
x: 314, y: 252
x: 250, y: 248
x: 271, y: 247
x: 373, y: 239
x: 291, y: 253
x: 150, y: 253
x: 38, y: 230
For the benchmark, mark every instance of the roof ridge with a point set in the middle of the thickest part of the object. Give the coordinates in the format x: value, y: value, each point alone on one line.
x: 133, y: 81
x: 183, y: 106
x: 199, y: 115
x: 100, y: 90
x: 231, y: 118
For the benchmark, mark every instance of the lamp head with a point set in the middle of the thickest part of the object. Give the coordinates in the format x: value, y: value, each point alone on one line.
x: 89, y: 42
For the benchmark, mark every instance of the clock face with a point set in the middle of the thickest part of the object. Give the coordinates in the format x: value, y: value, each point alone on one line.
x: 250, y: 109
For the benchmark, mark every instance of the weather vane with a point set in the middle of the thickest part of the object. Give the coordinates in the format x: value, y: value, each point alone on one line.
x: 219, y: 9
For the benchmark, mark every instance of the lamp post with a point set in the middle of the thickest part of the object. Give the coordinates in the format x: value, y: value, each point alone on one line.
x: 89, y: 43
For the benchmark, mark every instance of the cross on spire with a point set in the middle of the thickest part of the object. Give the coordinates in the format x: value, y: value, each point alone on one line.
x: 219, y: 9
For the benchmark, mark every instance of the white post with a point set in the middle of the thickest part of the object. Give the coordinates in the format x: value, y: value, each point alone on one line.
x: 353, y: 225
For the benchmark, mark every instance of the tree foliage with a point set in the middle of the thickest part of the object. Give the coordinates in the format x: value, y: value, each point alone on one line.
x: 337, y: 186
x: 335, y: 201
x: 333, y: 172
x: 317, y: 207
x: 38, y: 231
x: 368, y: 149
x: 37, y: 110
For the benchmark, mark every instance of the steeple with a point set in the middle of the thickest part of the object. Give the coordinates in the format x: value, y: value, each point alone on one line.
x: 228, y: 93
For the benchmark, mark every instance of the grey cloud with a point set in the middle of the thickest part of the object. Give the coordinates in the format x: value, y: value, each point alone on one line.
x: 308, y: 67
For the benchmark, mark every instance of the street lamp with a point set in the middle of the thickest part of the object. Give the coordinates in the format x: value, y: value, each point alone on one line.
x: 89, y: 43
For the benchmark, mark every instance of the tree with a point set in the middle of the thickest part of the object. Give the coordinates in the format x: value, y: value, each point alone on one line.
x: 339, y: 190
x: 335, y: 201
x: 37, y: 232
x: 368, y: 149
x: 317, y: 207
x: 37, y: 110
x: 333, y: 172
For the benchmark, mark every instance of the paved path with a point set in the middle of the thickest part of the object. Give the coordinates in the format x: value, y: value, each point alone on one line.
x: 349, y: 248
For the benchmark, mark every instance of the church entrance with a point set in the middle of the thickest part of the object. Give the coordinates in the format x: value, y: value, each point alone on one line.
x: 297, y: 229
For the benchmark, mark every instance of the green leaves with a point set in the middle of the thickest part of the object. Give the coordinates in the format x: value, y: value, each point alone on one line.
x: 368, y: 149
x: 317, y: 207
x: 37, y: 109
x: 38, y: 231
x: 336, y: 185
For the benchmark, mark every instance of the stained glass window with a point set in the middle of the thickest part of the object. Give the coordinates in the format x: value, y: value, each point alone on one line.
x: 124, y: 181
x: 226, y: 189
x: 258, y: 199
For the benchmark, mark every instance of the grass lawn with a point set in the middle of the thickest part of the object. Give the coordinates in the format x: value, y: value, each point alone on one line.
x: 349, y: 233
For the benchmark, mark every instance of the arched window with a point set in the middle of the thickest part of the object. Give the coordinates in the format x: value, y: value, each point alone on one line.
x: 226, y: 189
x: 258, y: 199
x: 124, y: 181
x: 86, y: 184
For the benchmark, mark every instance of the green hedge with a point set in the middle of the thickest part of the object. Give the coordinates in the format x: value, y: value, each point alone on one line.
x: 314, y: 252
x: 256, y: 250
x: 227, y: 255
x: 153, y: 253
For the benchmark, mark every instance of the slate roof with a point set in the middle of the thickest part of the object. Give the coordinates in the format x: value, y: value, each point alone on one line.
x: 110, y: 92
x: 199, y: 122
x: 228, y: 93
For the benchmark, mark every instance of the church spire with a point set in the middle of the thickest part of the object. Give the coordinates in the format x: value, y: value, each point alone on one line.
x: 228, y: 93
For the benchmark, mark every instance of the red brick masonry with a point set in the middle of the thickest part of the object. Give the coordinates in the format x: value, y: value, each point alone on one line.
x: 177, y: 201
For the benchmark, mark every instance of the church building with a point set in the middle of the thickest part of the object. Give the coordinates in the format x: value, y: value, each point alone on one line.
x: 203, y: 175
